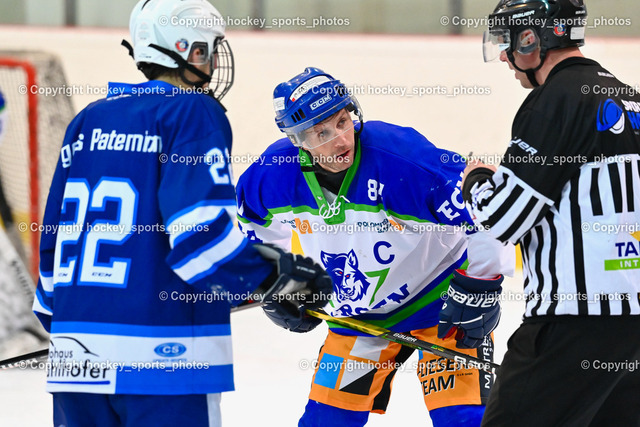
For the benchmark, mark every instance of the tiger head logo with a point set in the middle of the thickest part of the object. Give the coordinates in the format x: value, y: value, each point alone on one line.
x: 350, y: 283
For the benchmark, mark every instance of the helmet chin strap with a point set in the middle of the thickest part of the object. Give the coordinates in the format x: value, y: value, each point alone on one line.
x: 531, y: 72
x: 352, y: 109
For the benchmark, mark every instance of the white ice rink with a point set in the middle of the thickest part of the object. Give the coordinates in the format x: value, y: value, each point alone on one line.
x: 271, y: 382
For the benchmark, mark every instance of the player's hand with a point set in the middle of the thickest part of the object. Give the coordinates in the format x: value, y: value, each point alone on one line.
x: 475, y: 164
x: 300, y: 284
x: 471, y: 311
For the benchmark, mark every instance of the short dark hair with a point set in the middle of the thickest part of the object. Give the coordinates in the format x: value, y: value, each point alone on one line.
x: 154, y: 71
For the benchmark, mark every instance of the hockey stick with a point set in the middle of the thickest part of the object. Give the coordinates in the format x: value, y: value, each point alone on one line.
x: 408, y: 340
x: 17, y: 288
x: 26, y: 360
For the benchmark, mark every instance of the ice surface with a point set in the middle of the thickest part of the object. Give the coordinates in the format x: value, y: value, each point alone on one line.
x: 272, y: 377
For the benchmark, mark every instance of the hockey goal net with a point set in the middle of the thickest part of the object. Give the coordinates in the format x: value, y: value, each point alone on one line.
x: 36, y: 121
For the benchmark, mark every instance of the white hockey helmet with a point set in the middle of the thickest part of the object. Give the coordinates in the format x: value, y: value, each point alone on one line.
x: 167, y: 32
x: 175, y: 25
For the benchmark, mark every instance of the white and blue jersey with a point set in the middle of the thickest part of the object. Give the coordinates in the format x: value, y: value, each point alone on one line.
x: 140, y: 261
x: 390, y: 239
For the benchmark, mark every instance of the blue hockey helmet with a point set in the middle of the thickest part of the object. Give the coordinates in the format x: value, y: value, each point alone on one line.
x: 308, y: 99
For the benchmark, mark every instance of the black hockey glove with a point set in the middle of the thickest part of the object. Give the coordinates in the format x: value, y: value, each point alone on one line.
x: 298, y: 284
x: 471, y: 311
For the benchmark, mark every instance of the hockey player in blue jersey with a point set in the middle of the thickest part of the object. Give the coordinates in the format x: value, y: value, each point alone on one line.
x: 140, y: 261
x: 379, y: 206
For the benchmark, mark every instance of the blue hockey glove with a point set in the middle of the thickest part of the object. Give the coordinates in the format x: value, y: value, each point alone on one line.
x: 471, y: 311
x: 300, y: 284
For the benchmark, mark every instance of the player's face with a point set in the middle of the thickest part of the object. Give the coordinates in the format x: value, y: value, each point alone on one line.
x: 525, y: 62
x: 337, y: 154
x: 526, y: 56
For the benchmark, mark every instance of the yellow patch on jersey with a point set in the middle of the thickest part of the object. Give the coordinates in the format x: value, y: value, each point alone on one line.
x: 296, y: 247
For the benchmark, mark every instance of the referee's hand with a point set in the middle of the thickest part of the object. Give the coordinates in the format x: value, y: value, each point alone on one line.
x: 475, y: 164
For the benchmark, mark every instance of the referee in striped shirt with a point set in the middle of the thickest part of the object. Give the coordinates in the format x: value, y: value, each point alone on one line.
x: 567, y: 190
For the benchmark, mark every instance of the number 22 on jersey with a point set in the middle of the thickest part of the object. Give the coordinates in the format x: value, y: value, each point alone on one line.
x: 78, y: 200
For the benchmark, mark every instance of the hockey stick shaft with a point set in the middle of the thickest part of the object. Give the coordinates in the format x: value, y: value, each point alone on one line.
x: 25, y: 360
x: 408, y: 340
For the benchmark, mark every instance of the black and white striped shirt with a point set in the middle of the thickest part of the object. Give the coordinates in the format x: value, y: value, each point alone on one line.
x: 568, y: 190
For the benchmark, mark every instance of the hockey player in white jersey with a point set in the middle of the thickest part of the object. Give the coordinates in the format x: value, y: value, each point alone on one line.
x: 140, y: 258
x: 379, y: 207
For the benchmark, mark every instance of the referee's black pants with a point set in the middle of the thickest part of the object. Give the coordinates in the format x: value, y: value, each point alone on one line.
x: 569, y: 371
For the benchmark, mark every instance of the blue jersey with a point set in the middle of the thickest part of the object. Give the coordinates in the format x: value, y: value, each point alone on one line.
x: 140, y: 261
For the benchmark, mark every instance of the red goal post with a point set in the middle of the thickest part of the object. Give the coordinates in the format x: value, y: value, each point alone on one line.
x: 29, y: 149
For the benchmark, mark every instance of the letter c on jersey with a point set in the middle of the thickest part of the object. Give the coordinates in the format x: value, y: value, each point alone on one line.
x: 376, y: 253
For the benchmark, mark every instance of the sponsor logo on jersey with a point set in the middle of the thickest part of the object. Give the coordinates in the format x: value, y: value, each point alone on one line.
x: 170, y: 349
x: 633, y: 113
x: 610, y: 117
x: 628, y: 255
x: 351, y: 284
x: 526, y: 147
x: 72, y: 362
x: 113, y: 141
x: 303, y: 226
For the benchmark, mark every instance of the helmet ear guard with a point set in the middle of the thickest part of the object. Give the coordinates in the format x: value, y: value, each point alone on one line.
x: 527, y: 42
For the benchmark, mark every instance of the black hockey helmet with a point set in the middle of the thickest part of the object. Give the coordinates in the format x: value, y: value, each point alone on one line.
x: 524, y: 25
